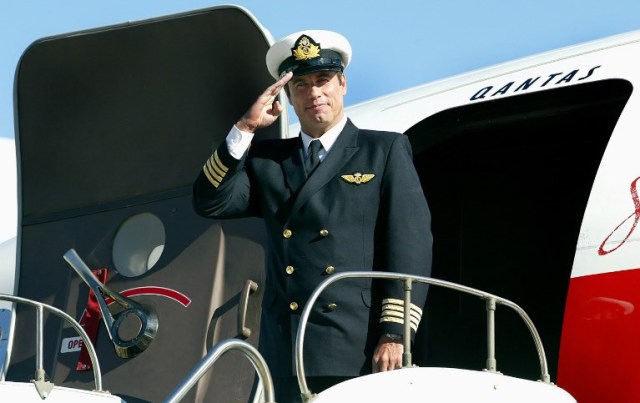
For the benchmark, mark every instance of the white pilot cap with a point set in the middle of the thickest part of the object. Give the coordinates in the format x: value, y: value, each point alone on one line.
x: 307, y: 51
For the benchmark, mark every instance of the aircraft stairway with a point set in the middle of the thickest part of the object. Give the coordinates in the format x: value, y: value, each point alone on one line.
x: 410, y: 383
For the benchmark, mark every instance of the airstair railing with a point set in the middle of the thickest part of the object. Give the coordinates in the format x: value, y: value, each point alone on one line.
x: 491, y: 302
x: 212, y: 356
x: 44, y: 387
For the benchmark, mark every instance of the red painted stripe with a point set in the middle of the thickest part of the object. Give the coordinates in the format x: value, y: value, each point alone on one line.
x: 600, y: 347
x: 153, y: 290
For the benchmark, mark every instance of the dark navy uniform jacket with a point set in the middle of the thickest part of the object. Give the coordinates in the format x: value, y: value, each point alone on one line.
x: 362, y: 209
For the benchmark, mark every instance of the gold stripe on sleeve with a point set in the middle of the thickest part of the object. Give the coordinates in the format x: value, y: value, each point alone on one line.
x: 393, y: 311
x: 219, y: 170
x: 214, y: 182
x: 219, y: 163
x: 213, y: 172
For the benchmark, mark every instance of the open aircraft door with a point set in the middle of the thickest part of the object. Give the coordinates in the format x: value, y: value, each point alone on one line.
x: 113, y: 125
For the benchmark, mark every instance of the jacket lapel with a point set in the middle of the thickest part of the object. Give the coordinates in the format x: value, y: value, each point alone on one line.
x: 292, y: 168
x: 342, y: 151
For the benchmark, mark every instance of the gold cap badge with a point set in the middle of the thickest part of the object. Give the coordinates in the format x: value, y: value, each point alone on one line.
x: 358, y: 178
x: 306, y: 48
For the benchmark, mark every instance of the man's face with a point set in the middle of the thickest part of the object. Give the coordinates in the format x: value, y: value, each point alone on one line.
x: 318, y: 99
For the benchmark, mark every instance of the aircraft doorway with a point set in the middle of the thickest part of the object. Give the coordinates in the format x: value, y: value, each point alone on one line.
x: 507, y: 182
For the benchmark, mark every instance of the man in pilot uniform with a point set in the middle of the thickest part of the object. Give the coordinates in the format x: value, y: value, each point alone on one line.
x: 334, y: 199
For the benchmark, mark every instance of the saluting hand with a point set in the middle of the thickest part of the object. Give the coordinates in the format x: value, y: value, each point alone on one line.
x: 266, y: 109
x: 387, y: 355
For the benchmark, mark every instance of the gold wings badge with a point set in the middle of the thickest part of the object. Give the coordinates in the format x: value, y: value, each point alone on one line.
x: 358, y: 178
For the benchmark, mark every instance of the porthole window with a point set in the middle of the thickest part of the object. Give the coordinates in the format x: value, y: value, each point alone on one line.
x: 138, y: 244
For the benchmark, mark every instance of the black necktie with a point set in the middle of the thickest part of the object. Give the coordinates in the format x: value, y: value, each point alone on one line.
x: 313, y: 156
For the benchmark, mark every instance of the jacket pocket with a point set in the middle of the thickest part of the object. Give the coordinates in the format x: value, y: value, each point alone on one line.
x: 366, y: 297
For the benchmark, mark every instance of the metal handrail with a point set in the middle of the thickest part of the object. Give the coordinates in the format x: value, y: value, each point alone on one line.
x: 491, y: 302
x: 40, y: 308
x: 212, y: 356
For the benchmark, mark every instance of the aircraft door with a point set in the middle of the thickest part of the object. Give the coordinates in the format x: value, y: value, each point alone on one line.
x: 113, y: 126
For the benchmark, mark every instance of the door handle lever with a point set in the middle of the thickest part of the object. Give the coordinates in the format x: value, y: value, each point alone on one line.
x: 147, y: 317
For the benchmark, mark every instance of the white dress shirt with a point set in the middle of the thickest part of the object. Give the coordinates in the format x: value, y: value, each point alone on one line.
x: 239, y: 141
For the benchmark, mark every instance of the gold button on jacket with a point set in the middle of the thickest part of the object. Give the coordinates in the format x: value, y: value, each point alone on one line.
x: 293, y: 306
x: 287, y: 233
